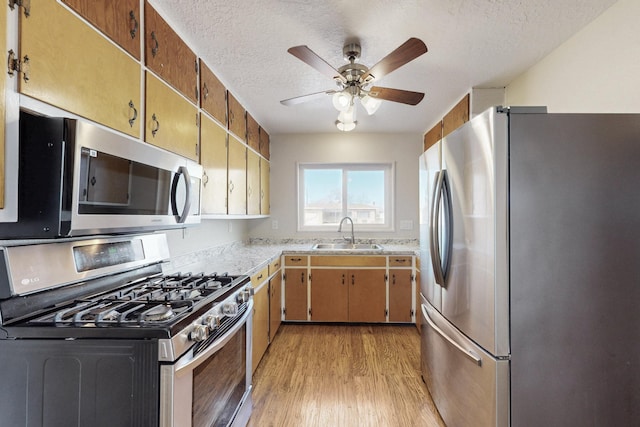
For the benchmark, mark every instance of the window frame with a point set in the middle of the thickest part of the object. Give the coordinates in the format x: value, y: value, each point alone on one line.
x: 389, y: 196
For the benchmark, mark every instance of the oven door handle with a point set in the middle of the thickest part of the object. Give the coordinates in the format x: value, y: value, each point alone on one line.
x: 189, y: 362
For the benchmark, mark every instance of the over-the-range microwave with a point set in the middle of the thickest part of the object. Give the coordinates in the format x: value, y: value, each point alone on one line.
x: 76, y: 179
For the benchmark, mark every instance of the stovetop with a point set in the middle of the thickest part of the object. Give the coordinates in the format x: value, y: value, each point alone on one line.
x: 150, y: 302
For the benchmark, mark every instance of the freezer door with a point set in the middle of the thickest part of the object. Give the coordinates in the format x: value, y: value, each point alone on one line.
x: 429, y: 170
x: 468, y: 385
x: 475, y: 291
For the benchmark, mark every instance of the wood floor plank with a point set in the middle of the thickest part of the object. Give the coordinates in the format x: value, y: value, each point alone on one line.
x: 318, y: 375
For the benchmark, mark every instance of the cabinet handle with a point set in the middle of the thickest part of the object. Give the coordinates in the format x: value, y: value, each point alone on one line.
x: 302, y: 278
x: 393, y: 280
x: 231, y: 187
x: 343, y: 279
x: 156, y: 127
x: 260, y: 277
x: 154, y: 49
x: 135, y: 113
x: 133, y: 24
x: 353, y: 280
x: 296, y: 259
x: 205, y: 178
x: 205, y: 90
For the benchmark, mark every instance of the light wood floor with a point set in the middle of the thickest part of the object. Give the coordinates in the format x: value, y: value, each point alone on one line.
x: 342, y: 375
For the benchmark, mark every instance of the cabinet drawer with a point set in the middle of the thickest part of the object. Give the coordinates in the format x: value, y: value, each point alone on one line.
x: 348, y: 261
x: 296, y: 260
x: 274, y: 266
x: 260, y: 276
x: 399, y: 261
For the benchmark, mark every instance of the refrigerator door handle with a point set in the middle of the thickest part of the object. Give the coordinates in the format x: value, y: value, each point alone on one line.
x: 469, y: 353
x: 448, y: 221
x: 434, y: 235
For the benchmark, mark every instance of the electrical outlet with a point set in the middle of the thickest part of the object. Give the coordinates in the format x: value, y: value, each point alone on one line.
x: 274, y: 224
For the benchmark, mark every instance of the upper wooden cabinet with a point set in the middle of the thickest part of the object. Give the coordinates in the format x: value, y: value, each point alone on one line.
x: 455, y: 118
x: 168, y: 56
x: 264, y: 144
x: 213, y: 158
x: 213, y: 95
x: 237, y: 174
x: 171, y: 122
x: 265, y: 195
x: 73, y: 67
x: 120, y: 20
x: 253, y: 133
x: 253, y: 183
x: 236, y: 115
x: 432, y: 136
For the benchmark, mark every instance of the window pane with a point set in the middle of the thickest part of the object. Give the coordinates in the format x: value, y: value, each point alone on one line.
x: 365, y: 196
x: 322, y: 196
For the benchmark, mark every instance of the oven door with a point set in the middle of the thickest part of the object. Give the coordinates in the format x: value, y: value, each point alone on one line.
x: 213, y: 387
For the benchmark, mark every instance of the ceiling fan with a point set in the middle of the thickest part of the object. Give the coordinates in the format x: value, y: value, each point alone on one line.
x: 354, y: 80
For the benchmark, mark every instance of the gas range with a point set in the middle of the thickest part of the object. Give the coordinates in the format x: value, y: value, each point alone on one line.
x: 96, y: 330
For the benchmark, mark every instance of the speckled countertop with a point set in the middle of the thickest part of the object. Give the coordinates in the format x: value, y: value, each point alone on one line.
x: 251, y: 257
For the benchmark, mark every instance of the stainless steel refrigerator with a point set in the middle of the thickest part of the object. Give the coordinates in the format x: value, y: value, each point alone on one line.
x: 530, y: 270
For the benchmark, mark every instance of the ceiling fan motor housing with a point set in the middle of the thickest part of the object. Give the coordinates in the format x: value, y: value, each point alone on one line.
x: 352, y: 51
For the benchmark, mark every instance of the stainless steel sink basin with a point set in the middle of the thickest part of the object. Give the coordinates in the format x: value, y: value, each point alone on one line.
x: 347, y: 247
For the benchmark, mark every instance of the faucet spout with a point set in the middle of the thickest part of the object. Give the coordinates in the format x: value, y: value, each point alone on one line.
x: 353, y: 238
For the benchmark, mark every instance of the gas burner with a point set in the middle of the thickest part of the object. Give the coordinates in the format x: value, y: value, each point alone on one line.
x: 157, y: 314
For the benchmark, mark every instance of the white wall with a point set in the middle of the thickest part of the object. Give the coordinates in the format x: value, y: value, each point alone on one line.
x: 596, y: 70
x: 286, y: 150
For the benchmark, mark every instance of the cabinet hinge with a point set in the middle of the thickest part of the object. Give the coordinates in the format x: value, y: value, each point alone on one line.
x: 413, y: 277
x: 14, y: 65
x: 284, y: 311
x: 412, y: 312
x: 26, y: 4
x: 386, y: 313
x: 309, y: 312
x: 284, y: 276
x: 386, y: 277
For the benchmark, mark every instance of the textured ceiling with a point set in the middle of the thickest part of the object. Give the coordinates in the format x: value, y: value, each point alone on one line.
x: 472, y: 43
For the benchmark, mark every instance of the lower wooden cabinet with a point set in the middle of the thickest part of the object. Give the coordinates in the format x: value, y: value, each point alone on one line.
x: 349, y: 288
x: 260, y: 339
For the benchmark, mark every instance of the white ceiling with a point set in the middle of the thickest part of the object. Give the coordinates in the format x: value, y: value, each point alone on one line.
x: 472, y: 43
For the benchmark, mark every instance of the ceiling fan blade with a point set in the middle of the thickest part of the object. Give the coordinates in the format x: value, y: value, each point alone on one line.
x: 396, y: 95
x: 308, y: 56
x: 304, y: 98
x: 407, y: 52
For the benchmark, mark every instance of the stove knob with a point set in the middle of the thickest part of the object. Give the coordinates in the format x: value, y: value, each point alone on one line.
x: 243, y: 296
x: 199, y: 333
x: 212, y: 321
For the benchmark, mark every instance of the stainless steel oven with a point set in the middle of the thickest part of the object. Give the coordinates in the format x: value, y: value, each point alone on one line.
x: 213, y: 386
x: 109, y: 338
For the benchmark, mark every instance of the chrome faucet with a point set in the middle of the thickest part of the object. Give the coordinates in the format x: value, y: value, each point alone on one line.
x: 353, y: 238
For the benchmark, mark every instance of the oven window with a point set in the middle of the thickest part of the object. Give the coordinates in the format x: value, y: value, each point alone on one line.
x: 219, y: 383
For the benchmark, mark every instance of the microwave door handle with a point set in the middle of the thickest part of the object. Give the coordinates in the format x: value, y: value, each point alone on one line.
x: 469, y: 353
x: 434, y: 235
x: 182, y: 170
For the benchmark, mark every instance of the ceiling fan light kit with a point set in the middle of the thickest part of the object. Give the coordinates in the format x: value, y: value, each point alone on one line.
x: 354, y: 80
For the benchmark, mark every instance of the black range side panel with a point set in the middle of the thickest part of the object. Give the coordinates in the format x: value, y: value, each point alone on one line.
x: 78, y: 383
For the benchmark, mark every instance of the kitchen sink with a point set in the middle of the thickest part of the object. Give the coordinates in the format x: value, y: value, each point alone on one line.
x: 347, y: 247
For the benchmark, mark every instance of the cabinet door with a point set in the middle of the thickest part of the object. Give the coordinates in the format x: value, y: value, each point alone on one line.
x: 119, y: 20
x: 73, y: 67
x: 3, y: 83
x: 236, y: 116
x: 295, y: 294
x: 260, y: 324
x: 265, y: 196
x: 253, y: 133
x: 264, y: 144
x: 400, y: 295
x: 237, y: 186
x: 168, y: 56
x: 275, y: 303
x: 213, y: 95
x: 329, y: 295
x: 171, y: 121
x: 367, y: 295
x: 213, y: 158
x: 253, y: 183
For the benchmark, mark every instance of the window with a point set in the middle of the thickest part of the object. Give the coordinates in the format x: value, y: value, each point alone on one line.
x: 329, y: 192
